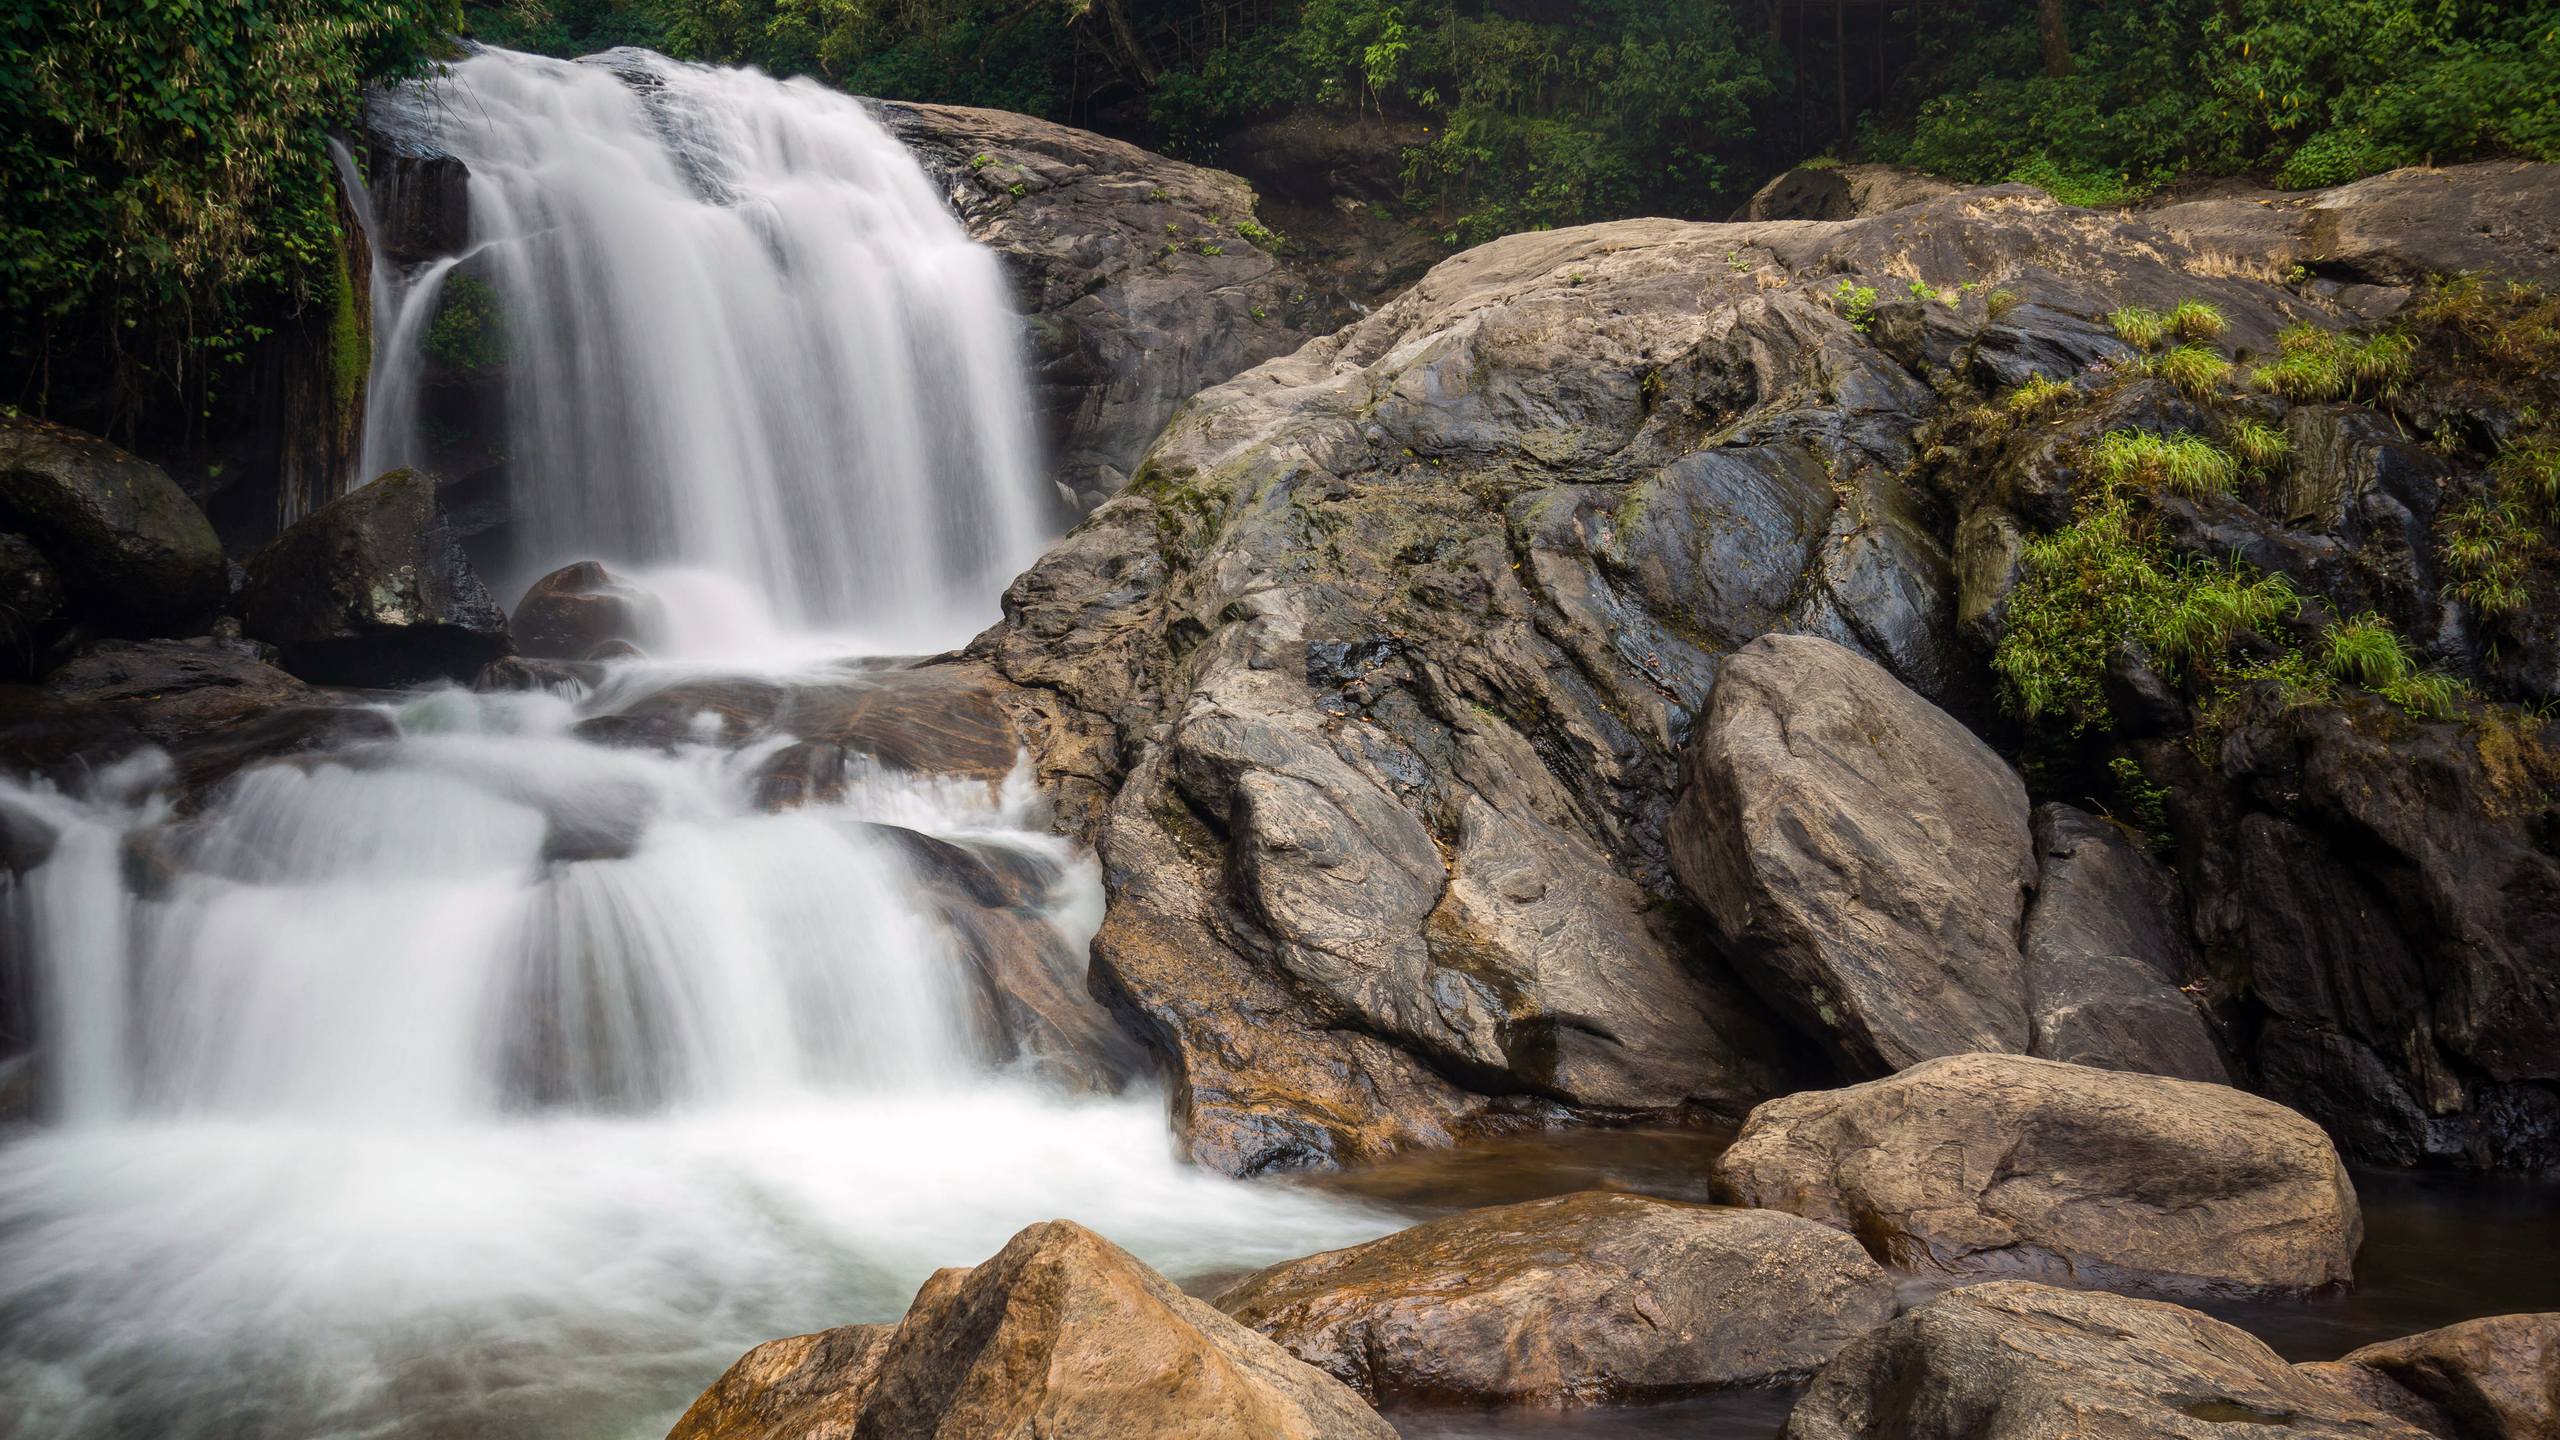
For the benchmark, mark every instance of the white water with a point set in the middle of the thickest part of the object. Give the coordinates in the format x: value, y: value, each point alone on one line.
x: 487, y: 1082
x: 747, y: 336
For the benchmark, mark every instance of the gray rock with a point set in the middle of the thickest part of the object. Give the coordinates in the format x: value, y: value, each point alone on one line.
x: 2014, y: 1361
x: 1139, y: 274
x: 2001, y: 1164
x: 128, y: 544
x: 2393, y: 229
x: 1863, y: 857
x: 2106, y: 949
x: 373, y: 589
x: 1841, y: 192
x: 1580, y: 1299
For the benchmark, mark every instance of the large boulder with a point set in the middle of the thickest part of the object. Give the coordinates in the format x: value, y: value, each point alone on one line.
x: 1061, y: 1336
x: 2107, y: 954
x: 2015, y: 1361
x: 1145, y: 280
x: 128, y: 544
x: 1862, y: 853
x: 578, y: 610
x: 174, y: 690
x: 1579, y: 1299
x: 31, y: 599
x: 1841, y: 192
x: 373, y: 589
x: 2006, y: 1165
x: 2491, y: 1379
x: 2393, y: 229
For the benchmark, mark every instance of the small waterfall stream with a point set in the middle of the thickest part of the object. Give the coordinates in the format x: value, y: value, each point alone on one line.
x: 486, y: 1080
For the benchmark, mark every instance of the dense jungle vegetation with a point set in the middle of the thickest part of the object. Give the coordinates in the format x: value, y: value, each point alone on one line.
x: 165, y: 195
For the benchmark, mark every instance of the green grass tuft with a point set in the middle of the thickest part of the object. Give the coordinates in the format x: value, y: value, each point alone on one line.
x: 2195, y: 320
x: 2198, y: 370
x: 2184, y: 464
x: 2138, y: 327
x: 2038, y: 395
x: 2260, y: 446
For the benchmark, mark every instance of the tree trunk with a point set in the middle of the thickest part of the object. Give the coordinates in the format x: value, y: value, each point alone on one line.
x: 2056, y: 39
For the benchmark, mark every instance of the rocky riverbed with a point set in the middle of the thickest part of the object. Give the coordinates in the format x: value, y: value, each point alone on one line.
x: 2030, y: 720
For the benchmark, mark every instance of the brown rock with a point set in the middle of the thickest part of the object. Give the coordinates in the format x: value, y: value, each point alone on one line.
x: 1579, y: 1299
x: 2001, y: 1164
x: 2014, y: 1361
x: 1062, y: 1336
x: 2493, y: 1379
x: 568, y: 613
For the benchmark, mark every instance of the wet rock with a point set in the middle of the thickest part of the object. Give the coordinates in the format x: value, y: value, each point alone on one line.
x: 1145, y: 280
x: 573, y: 610
x: 172, y: 690
x: 128, y: 544
x: 2015, y: 1361
x: 31, y: 598
x: 43, y: 732
x: 728, y: 711
x: 2492, y: 1379
x: 2001, y: 1164
x: 373, y: 589
x: 922, y: 719
x: 2106, y: 950
x: 515, y: 672
x: 1061, y: 1335
x: 1580, y: 1299
x: 1862, y: 854
x: 204, y: 761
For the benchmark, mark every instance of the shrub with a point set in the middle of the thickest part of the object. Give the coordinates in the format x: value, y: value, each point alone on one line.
x: 1856, y: 303
x: 2186, y: 464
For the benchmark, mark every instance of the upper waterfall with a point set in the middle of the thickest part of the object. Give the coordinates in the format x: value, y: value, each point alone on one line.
x: 740, y: 333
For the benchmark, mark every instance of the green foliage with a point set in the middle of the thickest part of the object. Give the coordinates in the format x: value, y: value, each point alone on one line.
x: 2105, y: 581
x: 2199, y: 370
x: 2196, y: 320
x: 2319, y: 92
x: 2488, y: 547
x: 2039, y: 395
x: 2139, y: 327
x: 2258, y: 445
x: 1855, y: 302
x: 350, y: 354
x: 2189, y: 465
x: 2367, y: 652
x: 166, y: 194
x: 2313, y: 365
x: 1999, y: 303
x: 469, y: 332
x: 2146, y: 803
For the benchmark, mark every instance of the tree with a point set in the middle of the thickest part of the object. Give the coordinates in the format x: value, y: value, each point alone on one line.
x: 2055, y: 38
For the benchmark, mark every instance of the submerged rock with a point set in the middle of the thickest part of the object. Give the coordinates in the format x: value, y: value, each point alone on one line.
x: 2015, y: 1361
x: 1580, y: 1299
x: 373, y: 589
x: 128, y: 544
x: 1063, y: 1336
x: 2005, y: 1165
x: 1862, y: 855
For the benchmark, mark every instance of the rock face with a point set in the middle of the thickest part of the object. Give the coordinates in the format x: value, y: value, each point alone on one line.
x: 1579, y: 1299
x: 2491, y: 1379
x: 1376, y: 677
x: 2106, y: 951
x: 573, y: 611
x: 127, y: 543
x: 2005, y: 1165
x: 2014, y: 1361
x: 373, y: 589
x: 1062, y: 1336
x: 2391, y: 229
x: 1861, y: 854
x: 1841, y: 192
x: 1146, y: 280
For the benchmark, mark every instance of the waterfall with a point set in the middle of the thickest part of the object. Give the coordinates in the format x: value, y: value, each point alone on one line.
x: 489, y: 1079
x: 738, y: 331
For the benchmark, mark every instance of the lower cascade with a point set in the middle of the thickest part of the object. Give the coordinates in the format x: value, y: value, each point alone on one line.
x: 487, y: 1078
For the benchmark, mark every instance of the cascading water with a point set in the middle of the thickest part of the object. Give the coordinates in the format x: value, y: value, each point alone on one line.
x: 485, y: 1080
x: 740, y: 333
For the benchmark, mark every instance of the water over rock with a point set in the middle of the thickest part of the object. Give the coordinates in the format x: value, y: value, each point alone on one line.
x: 128, y: 544
x: 373, y: 589
x: 1061, y: 1335
x: 2006, y: 1165
x: 1146, y: 280
x: 1576, y: 1300
x: 568, y: 613
x: 2017, y: 1361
